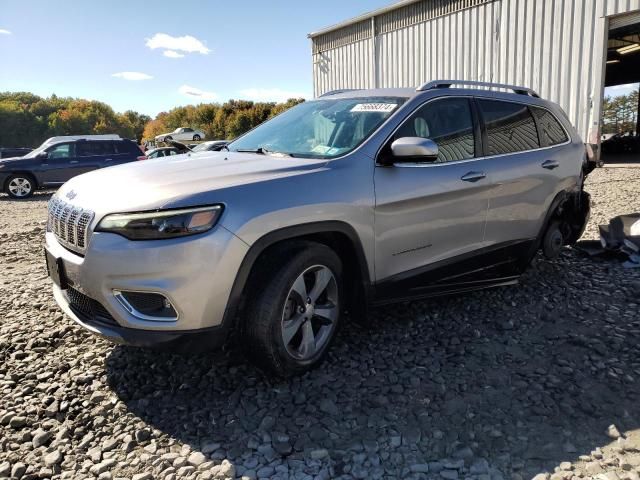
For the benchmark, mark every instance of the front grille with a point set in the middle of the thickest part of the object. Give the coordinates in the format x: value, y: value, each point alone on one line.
x: 88, y: 309
x: 69, y: 224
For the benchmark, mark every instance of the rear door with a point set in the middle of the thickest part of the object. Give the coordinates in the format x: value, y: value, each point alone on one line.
x: 92, y: 155
x: 524, y: 170
x: 427, y: 213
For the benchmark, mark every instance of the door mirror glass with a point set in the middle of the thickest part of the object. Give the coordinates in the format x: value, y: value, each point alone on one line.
x: 42, y: 155
x: 414, y: 149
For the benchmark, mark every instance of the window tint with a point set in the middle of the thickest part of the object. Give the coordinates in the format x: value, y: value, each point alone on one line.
x: 126, y: 146
x: 91, y: 148
x: 510, y: 127
x: 62, y: 150
x: 550, y: 130
x: 449, y: 123
x: 186, y: 130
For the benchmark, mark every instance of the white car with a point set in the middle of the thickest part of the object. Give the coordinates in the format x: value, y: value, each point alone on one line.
x: 183, y: 133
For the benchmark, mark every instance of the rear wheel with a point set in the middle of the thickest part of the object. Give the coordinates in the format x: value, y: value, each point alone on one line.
x: 20, y: 186
x: 196, y: 138
x: 553, y: 240
x: 293, y: 317
x: 168, y: 138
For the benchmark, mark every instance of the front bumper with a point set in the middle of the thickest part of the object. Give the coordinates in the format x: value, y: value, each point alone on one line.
x: 195, y: 274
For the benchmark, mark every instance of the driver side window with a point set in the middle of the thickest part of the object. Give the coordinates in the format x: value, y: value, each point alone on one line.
x: 62, y: 150
x: 449, y: 123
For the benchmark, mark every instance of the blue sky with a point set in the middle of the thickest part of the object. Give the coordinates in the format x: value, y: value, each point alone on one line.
x: 194, y: 51
x: 245, y: 49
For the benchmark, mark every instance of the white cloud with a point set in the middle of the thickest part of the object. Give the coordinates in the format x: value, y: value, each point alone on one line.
x: 270, y: 94
x: 187, y: 44
x: 196, y: 92
x: 132, y: 76
x: 4, y: 32
x: 172, y: 54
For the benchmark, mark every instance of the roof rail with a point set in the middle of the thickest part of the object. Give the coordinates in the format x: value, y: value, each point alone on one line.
x: 448, y: 83
x: 62, y: 138
x: 336, y: 92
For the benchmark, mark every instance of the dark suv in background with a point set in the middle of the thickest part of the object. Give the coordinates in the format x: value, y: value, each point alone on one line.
x: 60, y: 158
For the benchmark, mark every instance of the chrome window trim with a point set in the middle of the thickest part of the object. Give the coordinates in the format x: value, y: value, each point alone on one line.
x: 474, y: 159
x: 118, y: 294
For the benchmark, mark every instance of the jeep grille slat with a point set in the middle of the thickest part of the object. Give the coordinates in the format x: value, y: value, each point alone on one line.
x: 69, y: 224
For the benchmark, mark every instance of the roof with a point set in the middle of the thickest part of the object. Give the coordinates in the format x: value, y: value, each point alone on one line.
x: 364, y: 16
x: 372, y: 92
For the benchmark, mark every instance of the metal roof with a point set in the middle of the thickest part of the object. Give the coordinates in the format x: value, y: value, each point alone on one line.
x: 364, y: 16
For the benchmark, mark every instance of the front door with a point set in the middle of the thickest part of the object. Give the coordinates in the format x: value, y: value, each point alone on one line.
x: 429, y: 213
x: 61, y: 158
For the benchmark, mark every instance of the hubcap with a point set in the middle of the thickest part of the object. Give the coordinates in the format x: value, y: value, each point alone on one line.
x: 310, y: 312
x: 20, y: 187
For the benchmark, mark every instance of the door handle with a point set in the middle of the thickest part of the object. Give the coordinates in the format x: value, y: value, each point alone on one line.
x: 473, y: 176
x: 550, y: 164
x: 73, y: 161
x: 107, y: 159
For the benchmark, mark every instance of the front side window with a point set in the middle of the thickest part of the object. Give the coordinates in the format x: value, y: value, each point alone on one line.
x: 62, y: 150
x: 323, y: 128
x: 510, y: 127
x: 187, y: 130
x: 549, y: 128
x: 449, y: 123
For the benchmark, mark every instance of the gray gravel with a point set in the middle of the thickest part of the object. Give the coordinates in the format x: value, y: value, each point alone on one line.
x: 535, y: 380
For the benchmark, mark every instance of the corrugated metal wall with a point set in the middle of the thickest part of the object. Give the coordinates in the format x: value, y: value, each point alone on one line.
x: 553, y: 46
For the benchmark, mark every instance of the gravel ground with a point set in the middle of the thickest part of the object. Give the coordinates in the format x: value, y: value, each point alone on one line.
x: 509, y: 383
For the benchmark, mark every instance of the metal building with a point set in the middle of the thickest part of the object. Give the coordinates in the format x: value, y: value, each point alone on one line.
x: 566, y: 50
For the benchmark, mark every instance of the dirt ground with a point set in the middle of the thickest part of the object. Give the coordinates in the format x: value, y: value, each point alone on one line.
x: 508, y: 383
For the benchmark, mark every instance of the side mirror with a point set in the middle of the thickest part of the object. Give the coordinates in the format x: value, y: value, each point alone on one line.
x: 42, y: 155
x: 414, y: 149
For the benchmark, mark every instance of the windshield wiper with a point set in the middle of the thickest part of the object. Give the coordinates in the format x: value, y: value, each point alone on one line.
x: 263, y: 151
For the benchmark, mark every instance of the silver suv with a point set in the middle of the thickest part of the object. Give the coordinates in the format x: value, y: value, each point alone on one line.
x: 354, y: 199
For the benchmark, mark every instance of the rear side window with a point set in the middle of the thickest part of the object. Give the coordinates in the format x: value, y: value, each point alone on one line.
x: 449, y: 123
x: 127, y: 147
x: 549, y: 128
x: 92, y: 148
x: 510, y: 127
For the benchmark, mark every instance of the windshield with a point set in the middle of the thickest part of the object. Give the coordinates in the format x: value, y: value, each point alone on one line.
x: 34, y: 153
x: 323, y: 128
x: 201, y: 147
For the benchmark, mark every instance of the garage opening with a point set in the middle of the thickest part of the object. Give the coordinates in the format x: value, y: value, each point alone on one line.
x: 620, y: 141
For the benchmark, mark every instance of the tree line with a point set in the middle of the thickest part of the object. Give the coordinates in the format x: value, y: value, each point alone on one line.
x: 620, y: 114
x: 218, y: 121
x: 26, y: 120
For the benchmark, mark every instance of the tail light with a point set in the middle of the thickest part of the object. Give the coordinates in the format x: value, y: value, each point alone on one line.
x: 142, y: 157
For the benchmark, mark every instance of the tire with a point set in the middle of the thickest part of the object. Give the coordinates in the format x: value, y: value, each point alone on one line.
x: 283, y: 332
x: 553, y: 240
x: 196, y: 138
x: 167, y: 138
x: 20, y: 186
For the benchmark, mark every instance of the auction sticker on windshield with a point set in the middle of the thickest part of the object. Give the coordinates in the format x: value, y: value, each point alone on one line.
x: 374, y: 107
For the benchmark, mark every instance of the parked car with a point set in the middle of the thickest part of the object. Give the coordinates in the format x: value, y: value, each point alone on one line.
x: 356, y: 198
x: 211, y: 146
x: 60, y: 158
x: 183, y: 133
x: 162, y: 152
x: 12, y: 152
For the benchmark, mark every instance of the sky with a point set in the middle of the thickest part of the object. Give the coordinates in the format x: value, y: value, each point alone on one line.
x: 619, y: 90
x: 150, y: 56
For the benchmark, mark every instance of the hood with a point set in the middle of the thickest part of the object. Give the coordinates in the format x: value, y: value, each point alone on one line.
x: 168, y: 181
x: 11, y: 159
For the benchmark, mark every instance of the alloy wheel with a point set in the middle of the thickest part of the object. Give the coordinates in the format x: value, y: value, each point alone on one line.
x: 310, y: 312
x: 20, y: 187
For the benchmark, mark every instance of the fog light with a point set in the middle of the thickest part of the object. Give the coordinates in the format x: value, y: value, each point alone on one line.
x: 147, y: 305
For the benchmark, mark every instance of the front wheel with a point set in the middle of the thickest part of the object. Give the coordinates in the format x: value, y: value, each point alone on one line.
x: 20, y: 186
x: 294, y: 314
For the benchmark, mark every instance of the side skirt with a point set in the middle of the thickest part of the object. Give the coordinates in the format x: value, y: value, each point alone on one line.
x: 493, y: 266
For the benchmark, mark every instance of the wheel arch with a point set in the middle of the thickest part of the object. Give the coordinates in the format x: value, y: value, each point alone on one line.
x: 339, y: 236
x: 26, y: 173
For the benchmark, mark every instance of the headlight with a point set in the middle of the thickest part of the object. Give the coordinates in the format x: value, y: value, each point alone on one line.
x: 161, y: 224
